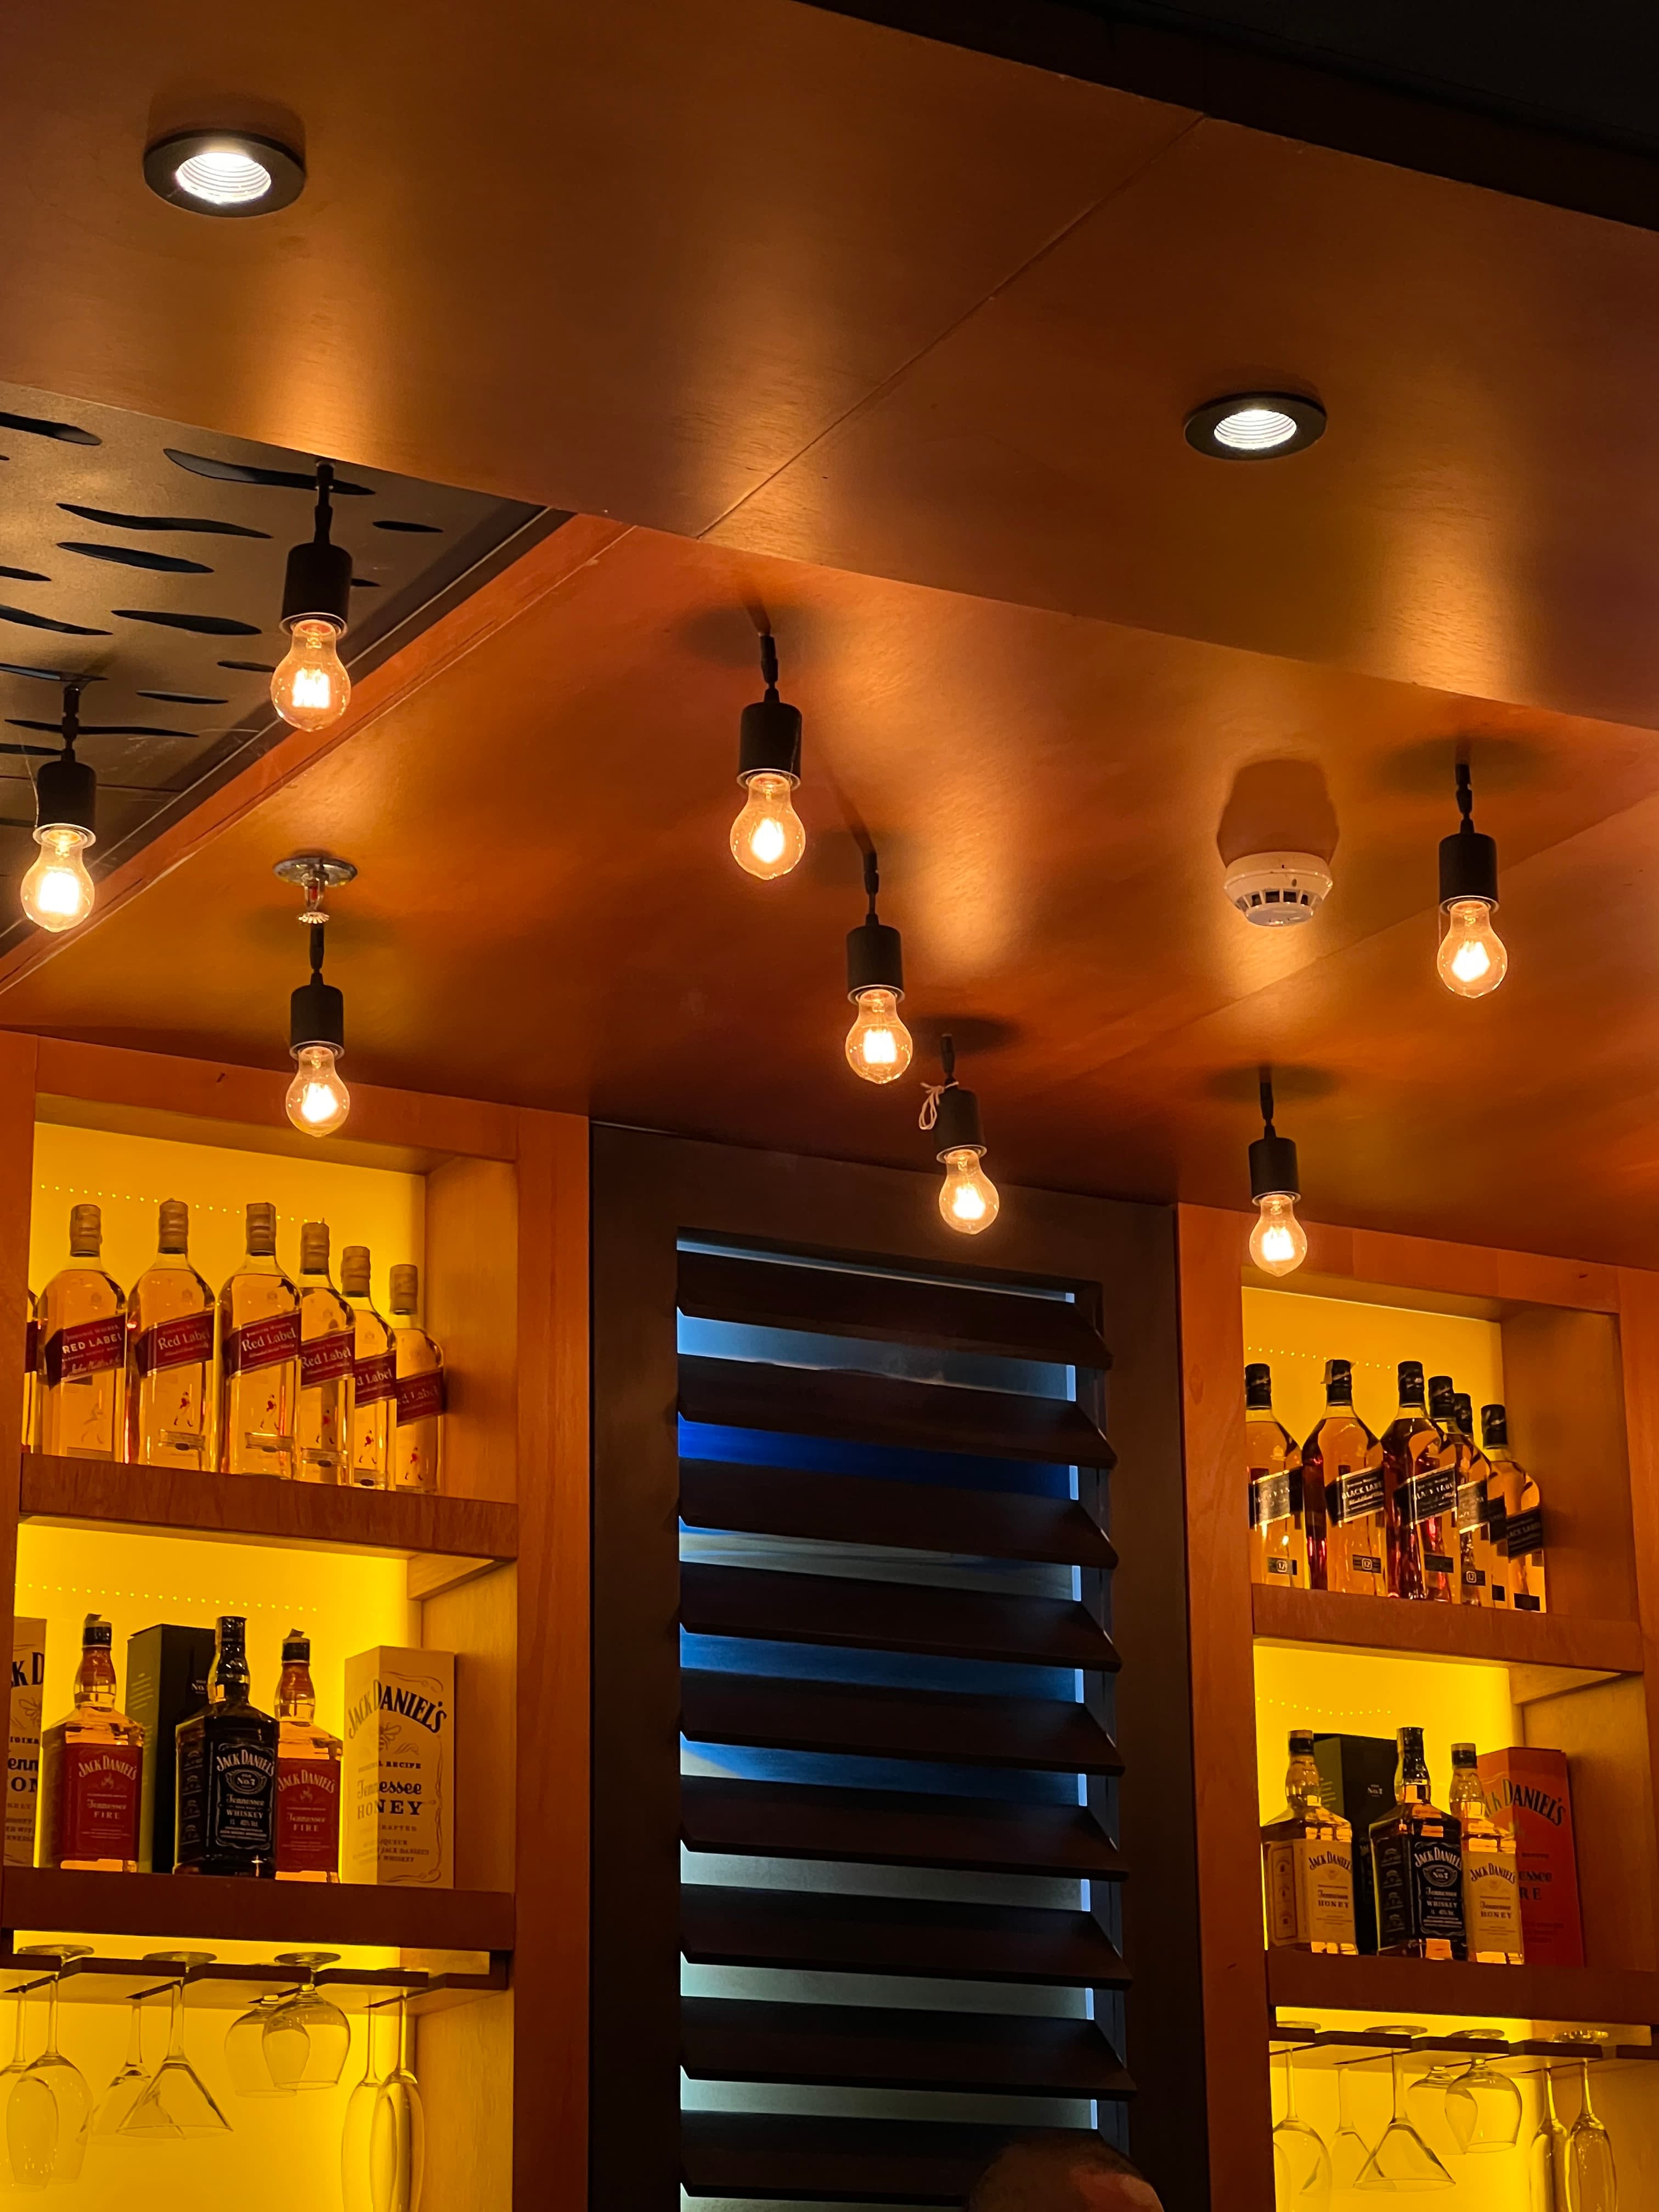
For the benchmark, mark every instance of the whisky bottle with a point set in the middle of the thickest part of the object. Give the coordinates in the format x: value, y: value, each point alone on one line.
x: 32, y: 1375
x: 1523, y: 1515
x: 307, y: 1775
x: 1307, y: 1863
x: 1419, y: 1498
x: 1417, y: 1863
x: 227, y: 1752
x: 82, y: 1349
x: 170, y: 1353
x: 374, y: 1375
x: 327, y: 1341
x: 417, y: 1436
x: 91, y: 1771
x: 259, y: 1356
x: 1344, y: 1460
x: 1492, y: 1869
x: 1470, y: 1473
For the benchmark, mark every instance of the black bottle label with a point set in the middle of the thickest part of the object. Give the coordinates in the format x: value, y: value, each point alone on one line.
x: 1363, y: 1563
x: 1353, y: 1493
x: 227, y: 1799
x: 1525, y: 1533
x: 1275, y: 1496
x: 1438, y: 1563
x: 1420, y: 1888
x: 1430, y: 1494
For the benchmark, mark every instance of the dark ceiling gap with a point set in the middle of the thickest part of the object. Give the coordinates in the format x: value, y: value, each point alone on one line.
x: 128, y: 556
x: 198, y: 625
x: 67, y: 433
x: 202, y: 522
x: 251, y: 472
x: 45, y: 622
x: 186, y: 698
x: 425, y: 529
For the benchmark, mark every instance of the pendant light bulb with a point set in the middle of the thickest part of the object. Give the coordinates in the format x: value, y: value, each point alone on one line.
x: 768, y: 837
x: 879, y: 1046
x: 317, y: 1101
x: 968, y: 1200
x: 310, y: 687
x: 1279, y: 1242
x: 57, y: 892
x: 1473, y: 958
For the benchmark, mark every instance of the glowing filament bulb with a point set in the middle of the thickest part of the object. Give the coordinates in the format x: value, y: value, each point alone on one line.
x: 879, y: 1046
x: 317, y: 1101
x: 968, y: 1199
x: 310, y: 688
x: 1279, y: 1242
x: 1471, y: 959
x: 56, y: 892
x: 769, y: 836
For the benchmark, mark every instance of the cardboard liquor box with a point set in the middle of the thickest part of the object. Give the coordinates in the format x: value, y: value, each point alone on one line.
x: 1527, y: 1788
x: 398, y: 1780
x: 1356, y: 1774
x: 28, y: 1674
x: 168, y: 1668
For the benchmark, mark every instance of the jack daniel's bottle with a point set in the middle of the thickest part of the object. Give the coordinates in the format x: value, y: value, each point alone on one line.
x: 1344, y: 1458
x: 1307, y: 1863
x: 1287, y: 1548
x: 1419, y: 1498
x: 1491, y: 1868
x: 92, y: 1765
x: 1417, y: 1858
x: 227, y: 1771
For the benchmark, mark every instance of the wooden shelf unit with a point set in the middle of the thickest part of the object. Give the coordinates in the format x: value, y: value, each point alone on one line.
x: 505, y: 1202
x: 1581, y: 1355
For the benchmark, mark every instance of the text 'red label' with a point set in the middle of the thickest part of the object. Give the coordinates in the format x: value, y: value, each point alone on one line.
x: 98, y: 1815
x: 265, y: 1343
x: 183, y: 1342
x: 420, y: 1396
x: 377, y: 1377
x: 84, y: 1347
x: 309, y: 1816
x: 325, y: 1359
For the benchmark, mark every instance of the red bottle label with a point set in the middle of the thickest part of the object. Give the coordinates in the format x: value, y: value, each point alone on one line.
x: 265, y: 1343
x: 377, y: 1378
x: 98, y: 1816
x: 84, y: 1347
x: 325, y: 1359
x: 186, y: 1342
x: 420, y: 1396
x: 308, y: 1816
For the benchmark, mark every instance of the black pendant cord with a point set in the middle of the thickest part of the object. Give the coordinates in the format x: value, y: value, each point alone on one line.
x: 871, y: 881
x: 1465, y: 800
x: 316, y: 934
x: 1469, y: 857
x: 71, y: 718
x: 769, y: 658
x: 1266, y: 1094
x: 1273, y: 1169
x: 325, y: 522
x: 947, y: 1058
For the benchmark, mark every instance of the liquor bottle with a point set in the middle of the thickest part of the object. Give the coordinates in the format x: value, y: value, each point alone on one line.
x: 327, y: 1341
x: 170, y: 1353
x: 91, y: 1771
x: 375, y: 1375
x: 417, y: 1436
x: 259, y: 1356
x: 1470, y: 1473
x: 226, y: 1794
x: 1492, y: 1869
x: 32, y: 1375
x: 1419, y: 1498
x: 1344, y: 1460
x: 82, y: 1349
x: 1523, y: 1515
x: 1307, y: 1863
x: 307, y: 1775
x: 1417, y: 1861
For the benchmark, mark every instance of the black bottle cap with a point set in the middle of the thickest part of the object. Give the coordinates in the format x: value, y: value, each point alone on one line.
x: 1258, y: 1383
x: 233, y: 1629
x: 1463, y: 1754
x: 1410, y: 1739
x: 1495, y: 1424
x: 296, y: 1649
x: 1440, y: 1395
x: 1302, y: 1743
x: 1463, y: 1410
x: 96, y: 1635
x: 1411, y: 1382
x: 1339, y: 1381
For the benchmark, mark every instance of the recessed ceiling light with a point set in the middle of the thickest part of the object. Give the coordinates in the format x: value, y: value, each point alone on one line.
x: 1254, y: 426
x: 224, y: 171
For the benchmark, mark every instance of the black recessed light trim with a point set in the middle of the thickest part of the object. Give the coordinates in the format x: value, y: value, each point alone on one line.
x: 285, y: 169
x: 1204, y: 422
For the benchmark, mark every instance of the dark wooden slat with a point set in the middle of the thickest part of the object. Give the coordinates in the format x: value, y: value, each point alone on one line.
x: 948, y: 1728
x: 845, y: 2161
x: 892, y: 1828
x: 841, y: 1611
x: 885, y: 1409
x: 914, y: 1516
x: 887, y: 1309
x: 720, y: 1926
x: 894, y: 2046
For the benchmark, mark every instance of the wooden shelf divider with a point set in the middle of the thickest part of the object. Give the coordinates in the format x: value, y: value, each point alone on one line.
x: 253, y: 1509
x: 1409, y: 1989
x: 1446, y: 1631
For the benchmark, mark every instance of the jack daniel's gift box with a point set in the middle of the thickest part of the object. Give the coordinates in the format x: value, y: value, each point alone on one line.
x: 1526, y: 1790
x: 168, y: 1668
x: 1355, y: 1776
x: 28, y: 1673
x: 399, y: 1769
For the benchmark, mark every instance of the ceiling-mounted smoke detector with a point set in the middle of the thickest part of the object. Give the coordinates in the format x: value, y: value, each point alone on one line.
x: 1274, y: 889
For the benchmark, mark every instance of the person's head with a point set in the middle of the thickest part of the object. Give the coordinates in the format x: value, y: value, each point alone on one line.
x: 1062, y: 2174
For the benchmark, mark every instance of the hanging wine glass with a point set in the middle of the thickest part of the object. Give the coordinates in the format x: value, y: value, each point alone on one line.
x: 1483, y: 2107
x: 115, y: 2107
x: 1402, y: 2160
x: 1426, y: 2107
x: 245, y: 2053
x: 1301, y: 2156
x: 1546, y: 2155
x: 1592, y: 2184
x: 19, y: 2064
x: 307, y: 2037
x: 356, y: 2135
x: 177, y: 2101
x: 49, y: 2111
x: 396, y: 2161
x: 1348, y: 2151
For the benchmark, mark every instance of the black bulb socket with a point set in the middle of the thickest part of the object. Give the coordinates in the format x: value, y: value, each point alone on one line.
x: 66, y: 795
x: 957, y: 1128
x: 1273, y: 1170
x: 769, y: 740
x: 317, y: 586
x: 1469, y: 867
x: 875, y: 959
x: 317, y: 1016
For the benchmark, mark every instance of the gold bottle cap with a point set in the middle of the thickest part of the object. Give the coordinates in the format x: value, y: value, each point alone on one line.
x: 174, y: 1226
x: 86, y: 1232
x: 405, y: 1287
x: 313, y: 1248
x: 261, y: 1227
x: 353, y: 1271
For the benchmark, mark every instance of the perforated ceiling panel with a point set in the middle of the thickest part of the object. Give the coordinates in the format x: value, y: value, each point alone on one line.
x: 149, y: 556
